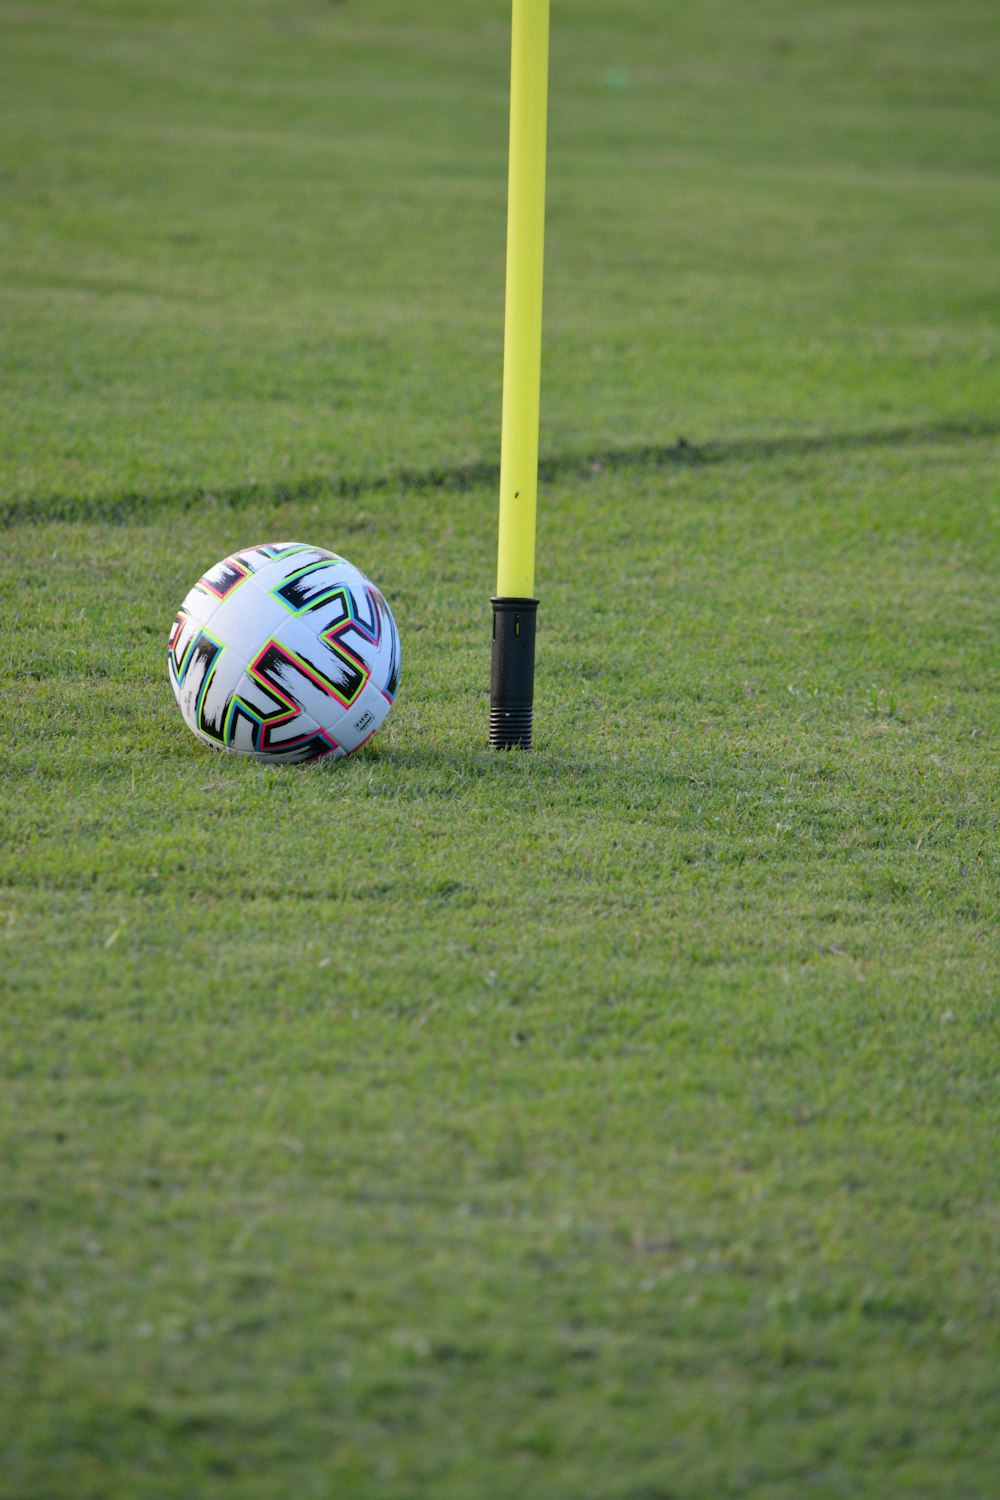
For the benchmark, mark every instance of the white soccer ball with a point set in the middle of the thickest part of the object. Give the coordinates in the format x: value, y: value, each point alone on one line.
x: 284, y: 652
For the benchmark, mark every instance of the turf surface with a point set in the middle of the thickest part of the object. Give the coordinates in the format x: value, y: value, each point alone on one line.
x: 615, y: 1122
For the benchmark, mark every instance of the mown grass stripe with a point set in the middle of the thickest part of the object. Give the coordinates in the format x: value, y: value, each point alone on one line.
x: 131, y: 505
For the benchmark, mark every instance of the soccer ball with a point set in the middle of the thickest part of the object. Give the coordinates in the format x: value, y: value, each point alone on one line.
x: 284, y: 652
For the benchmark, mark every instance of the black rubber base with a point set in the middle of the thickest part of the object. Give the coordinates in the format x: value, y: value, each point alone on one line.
x: 512, y: 680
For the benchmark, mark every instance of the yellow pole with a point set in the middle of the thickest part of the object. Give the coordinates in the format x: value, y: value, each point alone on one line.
x: 523, y: 310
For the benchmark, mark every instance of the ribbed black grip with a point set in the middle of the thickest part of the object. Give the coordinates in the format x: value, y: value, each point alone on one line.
x: 510, y: 728
x: 512, y: 680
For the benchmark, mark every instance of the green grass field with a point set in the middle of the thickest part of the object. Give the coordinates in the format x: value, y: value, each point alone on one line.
x: 617, y: 1122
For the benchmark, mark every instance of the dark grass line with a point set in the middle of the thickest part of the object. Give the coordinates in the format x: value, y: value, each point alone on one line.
x: 132, y: 506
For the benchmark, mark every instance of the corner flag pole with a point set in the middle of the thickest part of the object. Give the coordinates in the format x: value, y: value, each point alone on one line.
x: 513, y: 666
